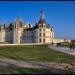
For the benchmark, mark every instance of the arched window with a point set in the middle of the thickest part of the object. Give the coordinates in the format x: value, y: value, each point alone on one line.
x: 40, y: 40
x: 43, y: 34
x: 43, y: 29
x: 44, y: 40
x: 39, y: 29
x: 44, y: 25
x: 40, y: 34
x: 39, y: 25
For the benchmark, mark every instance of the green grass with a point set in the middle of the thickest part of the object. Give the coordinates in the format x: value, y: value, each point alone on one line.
x: 36, y: 52
x: 21, y: 70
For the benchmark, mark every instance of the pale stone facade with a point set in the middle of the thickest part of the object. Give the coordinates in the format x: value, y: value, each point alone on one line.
x: 18, y: 32
x: 57, y: 40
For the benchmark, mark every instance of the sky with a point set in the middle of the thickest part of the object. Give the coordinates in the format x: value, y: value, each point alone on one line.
x: 60, y: 14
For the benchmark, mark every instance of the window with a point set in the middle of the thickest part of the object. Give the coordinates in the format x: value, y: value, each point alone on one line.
x: 39, y: 29
x: 44, y: 26
x: 40, y: 34
x: 44, y: 40
x: 39, y: 25
x: 44, y: 34
x: 39, y: 40
x: 43, y: 29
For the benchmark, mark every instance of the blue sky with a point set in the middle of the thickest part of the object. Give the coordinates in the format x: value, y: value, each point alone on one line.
x: 60, y: 14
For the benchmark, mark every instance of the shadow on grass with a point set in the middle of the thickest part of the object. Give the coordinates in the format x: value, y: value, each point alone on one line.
x: 13, y: 69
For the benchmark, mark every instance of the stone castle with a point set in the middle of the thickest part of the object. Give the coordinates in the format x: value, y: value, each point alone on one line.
x: 18, y: 32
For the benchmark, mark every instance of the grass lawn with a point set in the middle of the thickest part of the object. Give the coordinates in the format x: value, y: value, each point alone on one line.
x: 35, y: 52
x: 21, y: 70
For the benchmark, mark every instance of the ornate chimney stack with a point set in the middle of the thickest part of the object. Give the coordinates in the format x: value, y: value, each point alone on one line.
x: 4, y: 25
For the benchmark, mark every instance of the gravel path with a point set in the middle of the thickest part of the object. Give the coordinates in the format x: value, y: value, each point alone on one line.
x: 63, y: 49
x: 35, y: 64
x: 30, y: 64
x: 52, y: 67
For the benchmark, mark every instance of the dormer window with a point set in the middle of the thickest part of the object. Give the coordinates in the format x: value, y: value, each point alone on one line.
x: 44, y: 25
x: 39, y: 25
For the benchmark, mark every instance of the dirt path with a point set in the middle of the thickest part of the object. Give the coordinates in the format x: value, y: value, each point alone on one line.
x: 32, y: 64
x: 35, y: 64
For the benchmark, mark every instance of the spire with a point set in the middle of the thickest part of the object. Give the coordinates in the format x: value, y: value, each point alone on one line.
x: 19, y: 18
x: 14, y: 20
x: 28, y: 23
x: 15, y: 23
x: 35, y: 22
x: 4, y: 22
x: 42, y: 14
